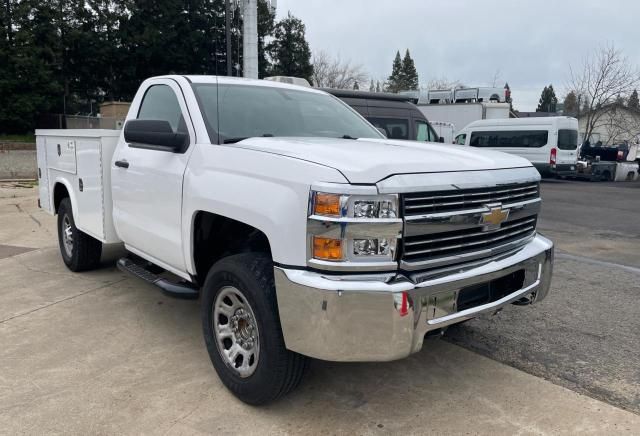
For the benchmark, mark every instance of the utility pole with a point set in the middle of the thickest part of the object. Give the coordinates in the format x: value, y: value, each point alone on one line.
x: 250, y: 39
x: 227, y: 22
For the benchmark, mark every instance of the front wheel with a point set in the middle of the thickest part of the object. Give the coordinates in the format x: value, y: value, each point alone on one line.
x: 80, y: 252
x: 242, y: 330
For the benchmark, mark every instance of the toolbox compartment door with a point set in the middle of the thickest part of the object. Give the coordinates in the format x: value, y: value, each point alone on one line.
x: 89, y: 187
x: 61, y: 153
x: 44, y: 190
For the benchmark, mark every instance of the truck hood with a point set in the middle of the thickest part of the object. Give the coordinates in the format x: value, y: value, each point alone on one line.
x: 371, y: 160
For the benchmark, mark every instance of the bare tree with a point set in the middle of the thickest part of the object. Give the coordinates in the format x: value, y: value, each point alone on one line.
x: 329, y: 72
x: 602, y: 77
x: 444, y: 83
x: 496, y: 78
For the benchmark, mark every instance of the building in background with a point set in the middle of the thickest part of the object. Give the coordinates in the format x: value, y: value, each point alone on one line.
x: 616, y: 124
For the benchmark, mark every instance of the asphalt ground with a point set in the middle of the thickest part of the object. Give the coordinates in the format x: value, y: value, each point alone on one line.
x: 103, y: 353
x: 586, y: 334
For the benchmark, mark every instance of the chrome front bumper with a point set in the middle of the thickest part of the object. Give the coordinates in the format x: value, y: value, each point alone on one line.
x: 378, y: 318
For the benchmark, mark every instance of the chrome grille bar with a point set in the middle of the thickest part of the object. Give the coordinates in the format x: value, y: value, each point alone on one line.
x: 419, y: 203
x: 530, y: 221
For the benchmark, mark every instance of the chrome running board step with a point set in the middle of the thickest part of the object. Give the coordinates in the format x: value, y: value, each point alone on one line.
x: 182, y: 290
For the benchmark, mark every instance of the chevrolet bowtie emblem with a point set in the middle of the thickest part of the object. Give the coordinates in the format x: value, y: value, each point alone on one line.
x: 495, y: 216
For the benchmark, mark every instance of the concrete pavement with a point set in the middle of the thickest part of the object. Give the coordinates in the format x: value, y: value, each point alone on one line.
x: 103, y: 353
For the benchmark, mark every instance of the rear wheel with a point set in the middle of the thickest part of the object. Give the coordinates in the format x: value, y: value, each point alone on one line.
x: 242, y: 330
x: 80, y: 252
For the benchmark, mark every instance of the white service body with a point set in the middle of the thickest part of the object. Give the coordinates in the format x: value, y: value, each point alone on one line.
x: 79, y: 157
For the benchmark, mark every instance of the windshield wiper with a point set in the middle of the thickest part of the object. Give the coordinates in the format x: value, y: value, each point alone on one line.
x: 242, y: 138
x: 348, y: 137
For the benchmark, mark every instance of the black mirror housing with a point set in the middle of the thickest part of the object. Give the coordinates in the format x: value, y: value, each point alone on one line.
x: 155, y: 135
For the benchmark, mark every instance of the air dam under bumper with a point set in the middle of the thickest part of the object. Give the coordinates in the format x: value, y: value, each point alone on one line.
x: 365, y: 318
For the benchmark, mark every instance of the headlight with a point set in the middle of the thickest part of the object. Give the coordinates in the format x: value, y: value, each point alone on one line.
x: 353, y: 206
x: 372, y: 247
x: 352, y: 230
x: 374, y: 209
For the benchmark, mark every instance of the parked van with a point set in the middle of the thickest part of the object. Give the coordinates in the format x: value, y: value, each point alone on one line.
x: 392, y: 114
x: 549, y: 143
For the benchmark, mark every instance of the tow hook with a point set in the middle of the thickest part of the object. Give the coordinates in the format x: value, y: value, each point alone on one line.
x: 434, y: 334
x: 525, y: 301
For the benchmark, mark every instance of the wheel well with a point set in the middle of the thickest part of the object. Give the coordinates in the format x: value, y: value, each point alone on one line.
x: 216, y: 236
x: 59, y: 193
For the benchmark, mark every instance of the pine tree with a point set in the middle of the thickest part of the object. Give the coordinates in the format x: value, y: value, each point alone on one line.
x: 356, y: 86
x: 571, y: 104
x: 410, y: 74
x: 31, y: 81
x: 548, y: 100
x: 67, y: 55
x: 396, y: 79
x: 378, y: 87
x: 289, y: 49
x: 633, y: 102
x: 372, y: 86
x: 266, y: 25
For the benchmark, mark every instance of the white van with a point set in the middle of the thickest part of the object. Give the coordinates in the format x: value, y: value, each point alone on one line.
x: 549, y: 143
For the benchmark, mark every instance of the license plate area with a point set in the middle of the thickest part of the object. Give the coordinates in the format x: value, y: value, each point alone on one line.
x: 446, y: 303
x: 494, y: 290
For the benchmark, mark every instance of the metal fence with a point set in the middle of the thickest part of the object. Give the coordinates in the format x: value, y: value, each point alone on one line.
x: 59, y: 121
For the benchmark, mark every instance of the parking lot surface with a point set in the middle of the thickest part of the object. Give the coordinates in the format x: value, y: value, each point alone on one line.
x: 104, y: 353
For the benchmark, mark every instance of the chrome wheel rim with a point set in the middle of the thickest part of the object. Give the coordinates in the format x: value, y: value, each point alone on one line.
x: 67, y: 236
x: 236, y: 331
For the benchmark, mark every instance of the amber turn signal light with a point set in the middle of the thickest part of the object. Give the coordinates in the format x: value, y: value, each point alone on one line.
x: 327, y: 204
x: 327, y: 248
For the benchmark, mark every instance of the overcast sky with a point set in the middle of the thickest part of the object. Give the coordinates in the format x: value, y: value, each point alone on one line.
x: 529, y: 42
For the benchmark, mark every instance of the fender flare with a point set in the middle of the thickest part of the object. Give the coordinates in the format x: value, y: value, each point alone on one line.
x: 70, y: 191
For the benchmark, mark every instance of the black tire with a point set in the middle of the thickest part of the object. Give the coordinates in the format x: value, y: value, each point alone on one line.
x: 278, y: 370
x: 85, y: 250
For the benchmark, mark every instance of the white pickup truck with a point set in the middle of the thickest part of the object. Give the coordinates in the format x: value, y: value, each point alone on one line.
x: 301, y: 228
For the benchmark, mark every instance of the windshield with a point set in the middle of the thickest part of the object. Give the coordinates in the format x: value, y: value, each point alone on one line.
x: 236, y: 112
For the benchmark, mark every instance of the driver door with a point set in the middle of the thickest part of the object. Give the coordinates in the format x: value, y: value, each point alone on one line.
x: 147, y: 183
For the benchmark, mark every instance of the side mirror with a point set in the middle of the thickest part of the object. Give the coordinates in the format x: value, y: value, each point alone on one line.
x: 381, y: 130
x: 154, y: 135
x: 441, y: 139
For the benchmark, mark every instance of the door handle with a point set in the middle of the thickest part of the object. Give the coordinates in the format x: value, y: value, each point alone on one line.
x: 122, y: 164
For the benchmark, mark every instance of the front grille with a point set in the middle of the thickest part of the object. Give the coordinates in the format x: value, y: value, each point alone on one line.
x: 424, y: 203
x: 463, y: 243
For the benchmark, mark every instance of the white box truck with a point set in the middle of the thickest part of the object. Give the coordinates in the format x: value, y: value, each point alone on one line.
x: 463, y: 114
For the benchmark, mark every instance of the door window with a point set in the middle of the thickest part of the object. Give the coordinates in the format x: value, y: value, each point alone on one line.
x: 567, y: 139
x: 510, y: 138
x: 161, y: 103
x: 461, y: 139
x: 425, y: 132
x: 394, y: 128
